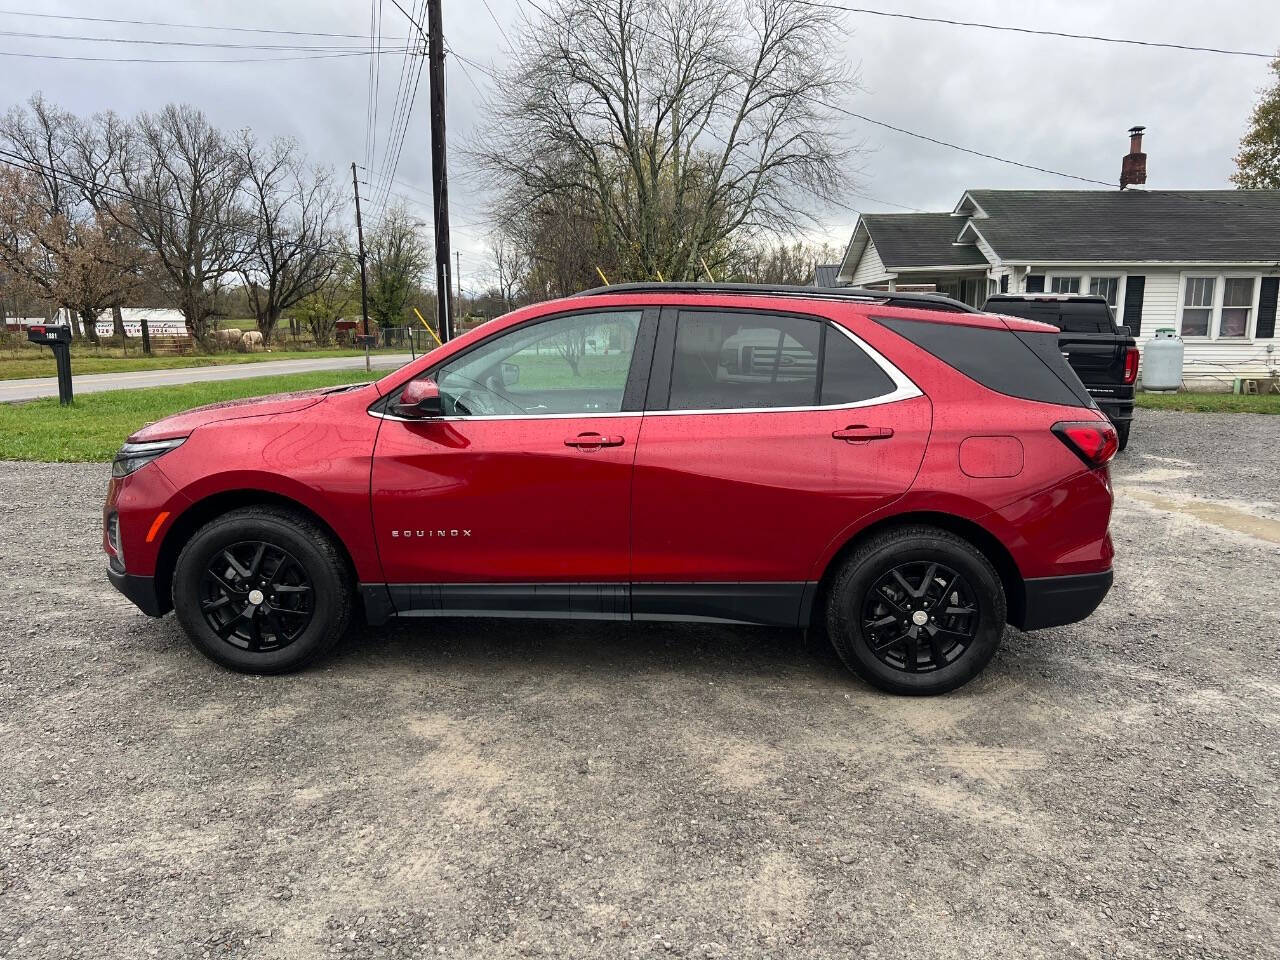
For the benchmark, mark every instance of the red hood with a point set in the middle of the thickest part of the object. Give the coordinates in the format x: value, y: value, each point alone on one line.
x: 181, y: 424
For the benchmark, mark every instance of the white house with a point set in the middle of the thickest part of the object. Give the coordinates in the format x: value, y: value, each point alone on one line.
x: 1204, y: 262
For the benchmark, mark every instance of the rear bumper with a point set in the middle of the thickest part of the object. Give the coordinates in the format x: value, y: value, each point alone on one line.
x: 1116, y: 402
x: 1054, y: 601
x: 140, y: 590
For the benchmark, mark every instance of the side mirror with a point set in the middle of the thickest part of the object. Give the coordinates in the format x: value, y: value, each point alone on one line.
x: 419, y: 400
x: 510, y: 374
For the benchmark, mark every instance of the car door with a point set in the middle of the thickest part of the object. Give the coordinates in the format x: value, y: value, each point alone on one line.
x: 517, y: 499
x: 765, y: 436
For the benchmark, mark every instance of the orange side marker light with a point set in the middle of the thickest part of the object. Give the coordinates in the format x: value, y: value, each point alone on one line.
x: 156, y: 524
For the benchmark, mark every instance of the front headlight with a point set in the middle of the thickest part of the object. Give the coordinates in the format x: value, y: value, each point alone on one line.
x: 135, y: 456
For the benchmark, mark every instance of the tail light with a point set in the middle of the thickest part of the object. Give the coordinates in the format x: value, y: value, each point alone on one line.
x: 1131, y: 365
x: 1093, y: 441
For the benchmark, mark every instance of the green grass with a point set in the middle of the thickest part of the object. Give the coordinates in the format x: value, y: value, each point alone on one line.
x: 1211, y: 402
x: 21, y: 366
x: 97, y: 423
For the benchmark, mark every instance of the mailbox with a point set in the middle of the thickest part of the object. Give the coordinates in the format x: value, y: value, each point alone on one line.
x: 58, y: 339
x: 49, y: 334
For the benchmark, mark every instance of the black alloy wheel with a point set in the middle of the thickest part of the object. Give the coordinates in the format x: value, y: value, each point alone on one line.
x: 256, y: 596
x: 263, y: 589
x: 916, y: 610
x: 920, y: 616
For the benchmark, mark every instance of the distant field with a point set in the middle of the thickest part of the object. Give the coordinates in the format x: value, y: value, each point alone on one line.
x: 1210, y: 402
x: 97, y: 423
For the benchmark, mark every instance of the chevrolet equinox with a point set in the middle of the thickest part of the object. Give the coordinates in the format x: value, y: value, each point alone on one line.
x: 900, y: 472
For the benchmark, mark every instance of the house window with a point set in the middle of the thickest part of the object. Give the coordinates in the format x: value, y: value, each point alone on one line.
x: 1237, y: 304
x: 1066, y: 285
x: 1197, y: 306
x: 1106, y: 287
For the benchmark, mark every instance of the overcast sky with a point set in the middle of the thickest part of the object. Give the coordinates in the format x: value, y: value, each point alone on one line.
x: 1057, y: 103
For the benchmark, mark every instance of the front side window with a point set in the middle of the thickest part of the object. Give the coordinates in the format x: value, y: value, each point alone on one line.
x: 1066, y: 284
x: 1106, y: 287
x: 1237, y: 305
x: 1197, y: 306
x: 575, y: 364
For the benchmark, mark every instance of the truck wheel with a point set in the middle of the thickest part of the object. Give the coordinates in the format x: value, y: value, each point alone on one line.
x: 916, y: 610
x: 1122, y: 433
x: 262, y: 590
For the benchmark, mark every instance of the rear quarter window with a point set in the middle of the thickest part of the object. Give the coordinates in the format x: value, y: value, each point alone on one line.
x: 1025, y: 365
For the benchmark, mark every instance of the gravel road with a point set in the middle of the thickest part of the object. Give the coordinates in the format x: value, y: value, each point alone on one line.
x: 491, y: 789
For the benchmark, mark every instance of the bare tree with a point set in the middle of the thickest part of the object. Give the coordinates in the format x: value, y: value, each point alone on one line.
x: 96, y: 154
x: 182, y: 178
x: 511, y: 263
x: 780, y: 262
x: 77, y: 263
x: 321, y: 309
x: 397, y: 259
x: 681, y: 124
x: 293, y: 248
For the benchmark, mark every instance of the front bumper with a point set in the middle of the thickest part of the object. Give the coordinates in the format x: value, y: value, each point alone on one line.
x: 1054, y: 601
x: 140, y: 590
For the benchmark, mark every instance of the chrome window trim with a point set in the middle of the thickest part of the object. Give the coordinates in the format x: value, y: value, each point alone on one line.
x: 903, y: 389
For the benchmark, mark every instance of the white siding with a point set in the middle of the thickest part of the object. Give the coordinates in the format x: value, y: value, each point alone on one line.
x: 870, y: 268
x: 1207, y: 364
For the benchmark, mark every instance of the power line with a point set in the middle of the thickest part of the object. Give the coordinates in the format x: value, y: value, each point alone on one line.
x: 315, y: 56
x: 881, y: 123
x: 1036, y: 32
x: 181, y: 26
x: 496, y: 23
x: 223, y: 45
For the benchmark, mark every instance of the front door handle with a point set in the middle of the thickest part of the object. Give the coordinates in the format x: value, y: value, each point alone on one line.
x: 861, y: 433
x: 593, y: 441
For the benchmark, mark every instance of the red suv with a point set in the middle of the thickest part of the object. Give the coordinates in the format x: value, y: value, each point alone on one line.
x: 898, y: 470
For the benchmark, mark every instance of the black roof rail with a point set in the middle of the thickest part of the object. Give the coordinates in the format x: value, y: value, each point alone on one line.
x: 922, y: 301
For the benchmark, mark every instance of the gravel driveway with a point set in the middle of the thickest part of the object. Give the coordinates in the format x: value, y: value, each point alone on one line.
x: 496, y: 789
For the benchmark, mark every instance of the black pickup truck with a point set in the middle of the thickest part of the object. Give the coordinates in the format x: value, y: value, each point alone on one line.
x: 1103, y: 355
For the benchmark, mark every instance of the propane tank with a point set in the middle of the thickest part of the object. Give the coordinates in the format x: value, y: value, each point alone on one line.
x: 1162, y: 361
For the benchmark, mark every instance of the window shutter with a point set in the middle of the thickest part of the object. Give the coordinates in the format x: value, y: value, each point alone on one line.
x: 1035, y: 283
x: 1134, y: 288
x: 1004, y: 283
x: 1267, y: 307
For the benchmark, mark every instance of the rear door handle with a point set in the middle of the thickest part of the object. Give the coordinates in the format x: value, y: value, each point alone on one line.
x: 593, y: 441
x: 861, y: 433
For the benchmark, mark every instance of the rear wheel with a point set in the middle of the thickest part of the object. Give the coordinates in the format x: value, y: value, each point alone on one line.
x: 1122, y: 433
x: 262, y: 590
x: 916, y: 610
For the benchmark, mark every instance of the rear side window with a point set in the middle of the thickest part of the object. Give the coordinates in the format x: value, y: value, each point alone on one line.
x: 848, y: 374
x: 1026, y: 365
x: 742, y: 361
x: 726, y: 361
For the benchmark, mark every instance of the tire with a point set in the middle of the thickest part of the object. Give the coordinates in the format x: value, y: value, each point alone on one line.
x: 856, y: 615
x: 299, y: 614
x: 1122, y: 433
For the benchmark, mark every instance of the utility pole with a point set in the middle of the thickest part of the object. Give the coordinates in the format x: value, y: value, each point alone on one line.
x: 364, y: 289
x: 439, y: 174
x: 457, y: 278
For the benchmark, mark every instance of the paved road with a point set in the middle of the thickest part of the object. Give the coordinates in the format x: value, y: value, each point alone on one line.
x: 12, y: 390
x: 499, y: 790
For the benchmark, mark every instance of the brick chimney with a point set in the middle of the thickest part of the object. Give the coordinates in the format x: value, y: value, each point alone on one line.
x: 1133, y: 168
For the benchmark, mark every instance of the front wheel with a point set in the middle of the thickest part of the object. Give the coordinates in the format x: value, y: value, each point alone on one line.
x: 262, y: 590
x: 916, y: 610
